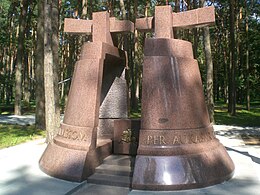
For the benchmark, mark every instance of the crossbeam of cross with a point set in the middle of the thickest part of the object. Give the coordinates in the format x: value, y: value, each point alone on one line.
x: 165, y: 20
x: 162, y: 23
x: 100, y: 27
x: 78, y: 26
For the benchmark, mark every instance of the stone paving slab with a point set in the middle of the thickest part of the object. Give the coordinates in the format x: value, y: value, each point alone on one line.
x: 20, y: 174
x: 93, y: 189
x: 17, y: 120
x: 20, y: 120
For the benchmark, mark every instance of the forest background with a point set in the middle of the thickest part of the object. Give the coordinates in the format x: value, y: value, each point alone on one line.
x: 37, y: 58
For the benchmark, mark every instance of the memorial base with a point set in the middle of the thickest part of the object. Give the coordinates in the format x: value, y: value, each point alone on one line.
x: 73, y: 164
x: 185, y: 171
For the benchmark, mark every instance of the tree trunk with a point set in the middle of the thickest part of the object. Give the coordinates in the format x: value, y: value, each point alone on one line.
x: 176, y: 9
x: 70, y: 65
x: 209, y: 64
x: 210, y: 73
x: 226, y: 66
x: 39, y: 71
x: 56, y: 63
x: 239, y: 53
x: 19, y: 60
x: 84, y: 9
x: 195, y: 35
x: 90, y: 9
x: 122, y: 8
x: 29, y: 27
x: 232, y: 79
x: 247, y: 61
x: 48, y: 74
x: 9, y: 62
x: 26, y: 79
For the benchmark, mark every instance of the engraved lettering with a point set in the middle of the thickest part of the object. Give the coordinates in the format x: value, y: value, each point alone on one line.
x: 176, y: 140
x: 149, y: 139
x: 162, y: 140
x: 61, y: 131
x: 81, y: 136
x: 74, y: 135
x: 201, y: 138
x: 69, y: 134
x: 85, y: 137
x: 194, y: 139
x: 155, y: 140
x: 65, y: 133
x: 184, y: 139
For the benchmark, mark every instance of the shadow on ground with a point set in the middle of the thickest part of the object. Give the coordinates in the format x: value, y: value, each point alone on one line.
x: 23, y: 183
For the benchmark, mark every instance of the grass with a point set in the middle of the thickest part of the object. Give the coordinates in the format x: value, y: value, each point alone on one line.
x: 243, y: 117
x: 11, y: 135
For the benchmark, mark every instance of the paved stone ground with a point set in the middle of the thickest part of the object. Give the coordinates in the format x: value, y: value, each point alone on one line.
x: 17, y: 120
x: 20, y: 174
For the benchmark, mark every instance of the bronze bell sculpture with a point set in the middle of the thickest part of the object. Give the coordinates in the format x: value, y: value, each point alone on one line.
x: 177, y: 146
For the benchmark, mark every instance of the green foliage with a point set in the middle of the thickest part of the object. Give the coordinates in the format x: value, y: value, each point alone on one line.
x: 8, y: 109
x: 70, y: 45
x: 243, y: 117
x: 254, y: 57
x: 4, y: 6
x: 220, y: 49
x: 11, y: 135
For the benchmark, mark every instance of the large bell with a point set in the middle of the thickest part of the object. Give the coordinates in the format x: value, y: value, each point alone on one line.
x: 98, y: 96
x: 177, y: 146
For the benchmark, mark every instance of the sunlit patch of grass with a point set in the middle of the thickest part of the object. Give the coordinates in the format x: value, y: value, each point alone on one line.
x: 135, y: 115
x: 11, y: 135
x: 242, y: 118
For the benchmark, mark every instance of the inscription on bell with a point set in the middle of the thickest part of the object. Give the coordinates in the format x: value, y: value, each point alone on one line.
x: 72, y: 135
x: 156, y: 140
x: 178, y: 139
